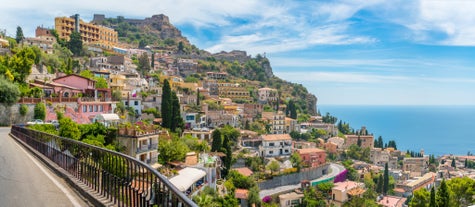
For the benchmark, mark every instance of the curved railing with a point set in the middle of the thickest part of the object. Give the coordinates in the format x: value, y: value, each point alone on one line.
x: 119, y: 178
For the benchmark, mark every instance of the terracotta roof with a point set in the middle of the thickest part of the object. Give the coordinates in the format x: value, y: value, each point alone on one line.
x: 274, y: 137
x: 309, y: 150
x: 241, y: 193
x: 356, y: 191
x: 347, y: 185
x: 244, y: 171
x: 392, y: 201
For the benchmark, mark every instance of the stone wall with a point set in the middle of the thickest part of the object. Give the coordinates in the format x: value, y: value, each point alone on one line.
x: 11, y: 115
x: 293, y: 179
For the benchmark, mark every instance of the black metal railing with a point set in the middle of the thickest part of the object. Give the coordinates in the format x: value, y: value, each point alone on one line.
x: 121, y: 179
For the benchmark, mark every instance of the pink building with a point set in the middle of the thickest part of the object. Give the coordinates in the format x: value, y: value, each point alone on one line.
x: 312, y: 157
x: 76, y: 81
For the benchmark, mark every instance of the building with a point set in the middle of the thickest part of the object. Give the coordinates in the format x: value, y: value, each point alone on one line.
x: 408, y: 187
x: 366, y: 140
x: 200, y: 133
x: 418, y: 166
x: 233, y: 91
x: 291, y: 199
x: 92, y: 34
x: 276, y: 120
x: 141, y: 142
x: 392, y: 201
x: 189, y: 180
x: 291, y: 125
x: 77, y: 81
x: 135, y: 103
x: 266, y: 95
x: 342, y: 191
x: 312, y: 157
x: 194, y: 120
x: 380, y: 157
x: 117, y: 82
x: 242, y: 195
x: 275, y: 145
x: 216, y: 75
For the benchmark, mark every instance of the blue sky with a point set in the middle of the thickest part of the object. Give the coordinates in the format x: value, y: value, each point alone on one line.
x: 347, y: 52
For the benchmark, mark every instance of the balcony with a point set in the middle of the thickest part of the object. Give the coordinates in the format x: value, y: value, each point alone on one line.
x: 147, y: 148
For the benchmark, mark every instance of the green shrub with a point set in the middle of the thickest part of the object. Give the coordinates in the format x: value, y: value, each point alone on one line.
x: 23, y: 109
x: 40, y: 111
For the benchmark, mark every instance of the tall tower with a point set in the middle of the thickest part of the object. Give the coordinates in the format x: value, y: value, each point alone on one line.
x: 76, y: 22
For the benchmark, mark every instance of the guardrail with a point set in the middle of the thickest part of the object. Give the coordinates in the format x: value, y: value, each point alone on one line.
x: 114, y: 176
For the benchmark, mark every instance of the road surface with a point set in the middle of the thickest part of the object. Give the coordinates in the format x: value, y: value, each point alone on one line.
x: 335, y: 169
x: 25, y: 181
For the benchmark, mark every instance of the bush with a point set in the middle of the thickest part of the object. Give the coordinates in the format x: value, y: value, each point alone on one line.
x: 40, y: 111
x: 23, y: 109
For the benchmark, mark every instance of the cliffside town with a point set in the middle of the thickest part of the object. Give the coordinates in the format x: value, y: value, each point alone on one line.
x: 250, y: 136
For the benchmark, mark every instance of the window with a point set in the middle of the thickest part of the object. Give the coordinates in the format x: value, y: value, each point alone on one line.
x: 101, y: 108
x: 271, y: 152
x: 84, y: 108
x: 136, y: 103
x: 95, y: 108
x: 126, y: 103
x: 90, y: 108
x: 271, y: 144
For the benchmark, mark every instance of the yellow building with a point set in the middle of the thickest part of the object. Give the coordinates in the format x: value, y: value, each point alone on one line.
x: 91, y: 34
x: 117, y: 82
x: 233, y: 91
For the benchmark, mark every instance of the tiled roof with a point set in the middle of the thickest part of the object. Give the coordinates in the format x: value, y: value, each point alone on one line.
x: 309, y: 150
x: 241, y: 193
x: 244, y: 171
x: 275, y: 137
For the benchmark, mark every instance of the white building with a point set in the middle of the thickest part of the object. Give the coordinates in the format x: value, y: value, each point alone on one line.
x: 267, y: 95
x: 275, y: 145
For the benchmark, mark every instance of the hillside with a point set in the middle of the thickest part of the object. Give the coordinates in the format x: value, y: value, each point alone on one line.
x: 158, y: 33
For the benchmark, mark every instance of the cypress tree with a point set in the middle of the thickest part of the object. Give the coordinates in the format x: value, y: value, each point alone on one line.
x: 198, y: 97
x: 432, y: 198
x: 176, y: 120
x: 379, y: 185
x: 19, y: 35
x: 217, y: 141
x: 443, y: 196
x: 380, y: 142
x: 386, y: 179
x: 153, y: 60
x: 453, y: 162
x: 229, y: 156
x: 466, y: 163
x: 166, y: 108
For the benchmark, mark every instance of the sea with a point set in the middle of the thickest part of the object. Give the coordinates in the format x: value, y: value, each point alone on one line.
x: 438, y: 130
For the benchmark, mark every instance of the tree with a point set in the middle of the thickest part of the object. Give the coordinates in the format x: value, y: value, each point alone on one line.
x: 227, y: 161
x: 68, y: 128
x: 86, y: 74
x: 181, y: 47
x: 75, y: 43
x: 40, y: 111
x: 172, y: 150
x: 443, y: 195
x: 101, y: 82
x: 166, y: 107
x: 217, y: 140
x: 20, y: 64
x: 291, y: 110
x: 379, y: 185
x: 176, y: 120
x: 273, y: 166
x: 253, y: 196
x: 143, y: 64
x: 19, y: 35
x: 462, y: 191
x: 420, y: 198
x: 9, y: 92
x: 296, y: 161
x: 453, y: 162
x: 432, y: 198
x: 152, y: 62
x: 386, y: 179
x: 23, y: 109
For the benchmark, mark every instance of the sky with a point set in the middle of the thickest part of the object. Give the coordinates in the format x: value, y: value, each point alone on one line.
x: 346, y: 52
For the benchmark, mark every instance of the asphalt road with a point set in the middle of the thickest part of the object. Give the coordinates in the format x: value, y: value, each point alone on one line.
x: 25, y: 181
x: 335, y: 169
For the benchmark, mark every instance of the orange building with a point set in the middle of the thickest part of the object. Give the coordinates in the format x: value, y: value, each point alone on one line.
x: 312, y: 157
x: 91, y: 34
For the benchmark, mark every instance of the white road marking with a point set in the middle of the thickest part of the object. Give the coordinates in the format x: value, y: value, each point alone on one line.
x: 71, y: 198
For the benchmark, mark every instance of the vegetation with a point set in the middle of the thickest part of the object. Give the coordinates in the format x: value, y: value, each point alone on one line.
x: 9, y: 92
x: 166, y: 106
x: 40, y: 111
x: 450, y: 193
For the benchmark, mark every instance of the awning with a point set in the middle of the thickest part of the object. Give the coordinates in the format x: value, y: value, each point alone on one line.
x: 187, y: 177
